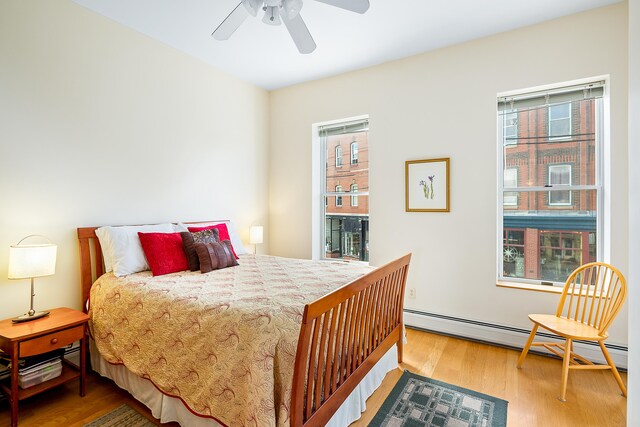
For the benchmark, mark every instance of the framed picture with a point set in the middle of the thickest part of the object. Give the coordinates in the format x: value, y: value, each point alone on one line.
x: 427, y: 185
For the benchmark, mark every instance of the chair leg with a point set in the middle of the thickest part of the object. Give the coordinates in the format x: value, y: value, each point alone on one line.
x: 565, y: 369
x: 525, y: 350
x: 613, y: 368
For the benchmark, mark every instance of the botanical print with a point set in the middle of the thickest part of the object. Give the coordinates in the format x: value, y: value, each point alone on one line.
x: 427, y: 185
x: 428, y: 189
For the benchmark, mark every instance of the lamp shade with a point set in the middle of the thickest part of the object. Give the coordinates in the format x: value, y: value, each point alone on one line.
x: 256, y: 234
x: 26, y: 261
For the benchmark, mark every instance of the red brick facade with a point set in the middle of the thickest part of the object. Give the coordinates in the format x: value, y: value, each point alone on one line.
x: 346, y: 173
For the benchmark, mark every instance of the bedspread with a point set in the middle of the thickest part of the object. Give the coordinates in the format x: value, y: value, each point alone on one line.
x: 223, y: 342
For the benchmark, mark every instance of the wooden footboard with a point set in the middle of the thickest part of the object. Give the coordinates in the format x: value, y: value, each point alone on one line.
x: 343, y: 335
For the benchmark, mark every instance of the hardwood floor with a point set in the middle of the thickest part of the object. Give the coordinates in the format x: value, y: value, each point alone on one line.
x: 593, y: 397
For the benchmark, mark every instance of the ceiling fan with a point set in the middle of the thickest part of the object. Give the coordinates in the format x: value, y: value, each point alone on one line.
x: 282, y: 11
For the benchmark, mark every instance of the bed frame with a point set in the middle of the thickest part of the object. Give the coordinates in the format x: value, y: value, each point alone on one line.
x: 343, y: 334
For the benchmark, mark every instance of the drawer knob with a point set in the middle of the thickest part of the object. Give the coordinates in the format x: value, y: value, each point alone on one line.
x: 54, y: 340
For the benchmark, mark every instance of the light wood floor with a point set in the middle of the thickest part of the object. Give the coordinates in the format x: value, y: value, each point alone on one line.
x: 593, y: 397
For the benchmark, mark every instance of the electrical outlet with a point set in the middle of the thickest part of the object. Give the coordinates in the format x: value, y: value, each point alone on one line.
x: 412, y: 292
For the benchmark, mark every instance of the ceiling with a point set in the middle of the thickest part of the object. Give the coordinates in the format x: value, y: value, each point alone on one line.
x: 267, y: 57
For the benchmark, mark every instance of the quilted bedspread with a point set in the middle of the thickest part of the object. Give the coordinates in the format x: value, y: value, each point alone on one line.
x: 224, y: 342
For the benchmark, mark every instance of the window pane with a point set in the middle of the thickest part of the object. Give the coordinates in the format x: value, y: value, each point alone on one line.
x: 535, y: 152
x: 560, y: 111
x: 559, y: 175
x: 347, y: 215
x: 510, y: 180
x: 510, y: 127
x: 546, y: 244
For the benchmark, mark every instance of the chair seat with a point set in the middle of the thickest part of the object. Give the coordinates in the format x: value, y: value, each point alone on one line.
x: 567, y: 327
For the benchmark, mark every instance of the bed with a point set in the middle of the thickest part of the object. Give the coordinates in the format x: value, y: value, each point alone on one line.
x: 273, y: 341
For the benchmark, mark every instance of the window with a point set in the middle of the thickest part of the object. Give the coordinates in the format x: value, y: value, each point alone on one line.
x: 510, y: 127
x: 354, y: 199
x: 341, y: 230
x: 559, y: 175
x: 551, y: 215
x: 560, y: 121
x: 510, y: 181
x: 354, y: 153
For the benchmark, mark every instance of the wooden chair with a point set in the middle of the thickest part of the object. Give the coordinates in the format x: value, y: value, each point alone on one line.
x: 592, y: 297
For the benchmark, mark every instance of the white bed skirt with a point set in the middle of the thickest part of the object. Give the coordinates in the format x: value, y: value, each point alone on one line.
x: 168, y: 409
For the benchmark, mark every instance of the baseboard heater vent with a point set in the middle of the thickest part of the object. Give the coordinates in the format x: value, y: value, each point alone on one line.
x: 502, y: 335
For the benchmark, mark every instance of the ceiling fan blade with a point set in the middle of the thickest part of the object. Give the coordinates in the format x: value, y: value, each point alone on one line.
x: 358, y: 6
x: 231, y: 23
x: 299, y: 33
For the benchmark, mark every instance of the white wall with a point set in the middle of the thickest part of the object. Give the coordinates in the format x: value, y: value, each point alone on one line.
x: 442, y: 104
x: 102, y: 125
x: 633, y: 410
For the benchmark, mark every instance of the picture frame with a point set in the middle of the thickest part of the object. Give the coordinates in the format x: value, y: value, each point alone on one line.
x: 427, y: 185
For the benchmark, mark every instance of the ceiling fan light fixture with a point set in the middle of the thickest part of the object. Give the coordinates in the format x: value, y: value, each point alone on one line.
x: 271, y: 16
x: 292, y: 8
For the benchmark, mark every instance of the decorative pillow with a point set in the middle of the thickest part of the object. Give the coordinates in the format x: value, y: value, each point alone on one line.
x: 188, y: 241
x: 164, y: 252
x: 121, y: 247
x: 223, y: 233
x: 236, y: 241
x: 214, y: 256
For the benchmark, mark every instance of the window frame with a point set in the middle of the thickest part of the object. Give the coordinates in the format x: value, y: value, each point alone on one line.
x: 557, y: 166
x: 338, y: 190
x: 515, y: 126
x: 354, y: 199
x: 338, y: 153
x: 515, y: 193
x: 602, y: 185
x: 549, y: 120
x: 319, y: 157
x: 354, y: 159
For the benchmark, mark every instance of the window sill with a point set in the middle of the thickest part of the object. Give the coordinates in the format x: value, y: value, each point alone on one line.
x: 531, y: 287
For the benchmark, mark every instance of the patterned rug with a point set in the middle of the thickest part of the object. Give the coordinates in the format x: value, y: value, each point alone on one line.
x: 123, y: 416
x: 420, y: 401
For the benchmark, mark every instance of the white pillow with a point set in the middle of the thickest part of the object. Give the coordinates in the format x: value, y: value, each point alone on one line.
x: 121, y: 247
x: 236, y: 242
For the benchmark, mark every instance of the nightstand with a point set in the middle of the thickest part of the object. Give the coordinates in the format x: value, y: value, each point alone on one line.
x: 60, y: 328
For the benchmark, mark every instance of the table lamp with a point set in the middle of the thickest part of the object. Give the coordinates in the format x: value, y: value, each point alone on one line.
x: 256, y: 236
x: 27, y: 261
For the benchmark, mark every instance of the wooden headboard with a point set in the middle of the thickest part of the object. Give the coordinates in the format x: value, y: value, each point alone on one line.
x: 92, y: 261
x: 91, y: 267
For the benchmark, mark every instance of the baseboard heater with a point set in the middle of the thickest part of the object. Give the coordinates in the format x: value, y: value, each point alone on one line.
x: 505, y: 336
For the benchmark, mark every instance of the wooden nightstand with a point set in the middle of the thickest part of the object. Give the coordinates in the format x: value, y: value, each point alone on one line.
x: 61, y: 327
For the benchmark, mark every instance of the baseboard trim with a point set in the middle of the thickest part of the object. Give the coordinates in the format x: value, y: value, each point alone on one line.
x: 506, y: 336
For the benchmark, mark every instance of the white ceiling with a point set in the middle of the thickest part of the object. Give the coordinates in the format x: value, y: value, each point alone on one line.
x: 266, y: 56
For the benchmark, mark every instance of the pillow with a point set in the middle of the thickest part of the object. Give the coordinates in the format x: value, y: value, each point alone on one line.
x: 223, y: 233
x: 164, y: 252
x: 121, y: 247
x: 188, y: 241
x: 236, y: 241
x: 106, y: 254
x: 214, y: 256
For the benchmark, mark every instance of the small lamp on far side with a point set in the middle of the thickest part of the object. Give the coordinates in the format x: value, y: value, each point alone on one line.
x: 256, y: 235
x: 27, y: 261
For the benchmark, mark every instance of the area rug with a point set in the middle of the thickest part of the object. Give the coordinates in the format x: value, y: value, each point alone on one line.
x: 122, y: 416
x: 420, y: 401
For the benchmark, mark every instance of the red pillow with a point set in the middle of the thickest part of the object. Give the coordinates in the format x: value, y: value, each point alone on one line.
x: 164, y: 252
x: 223, y: 233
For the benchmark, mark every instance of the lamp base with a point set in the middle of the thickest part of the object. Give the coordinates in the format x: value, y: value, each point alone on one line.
x: 27, y: 317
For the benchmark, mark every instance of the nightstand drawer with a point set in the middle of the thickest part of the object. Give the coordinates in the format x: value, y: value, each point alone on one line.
x: 51, y: 341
